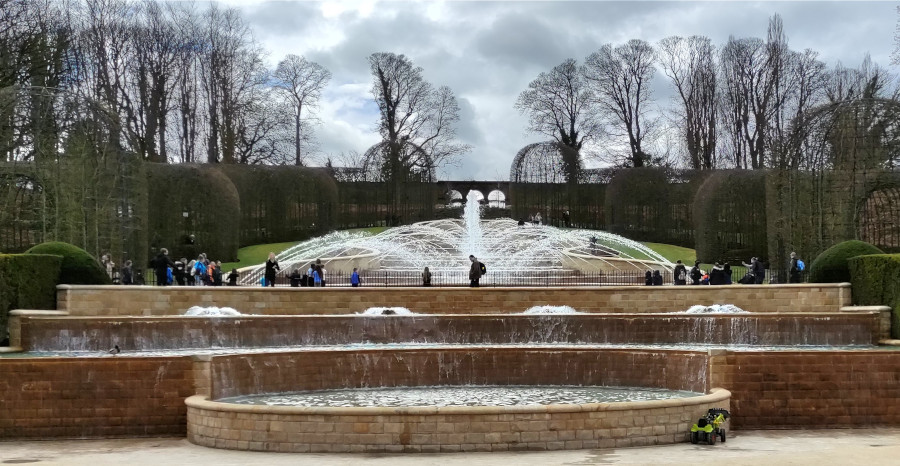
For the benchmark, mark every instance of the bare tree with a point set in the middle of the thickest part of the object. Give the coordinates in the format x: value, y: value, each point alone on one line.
x: 153, y: 76
x: 620, y: 79
x: 417, y: 120
x: 690, y: 64
x: 231, y: 67
x: 302, y: 81
x: 560, y: 105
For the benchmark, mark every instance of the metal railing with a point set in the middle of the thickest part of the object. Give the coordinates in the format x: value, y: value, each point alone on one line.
x: 548, y: 278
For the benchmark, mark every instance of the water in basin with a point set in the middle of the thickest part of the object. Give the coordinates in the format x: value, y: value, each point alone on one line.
x: 466, y: 395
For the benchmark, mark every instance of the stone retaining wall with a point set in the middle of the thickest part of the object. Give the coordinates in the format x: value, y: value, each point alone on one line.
x: 60, y: 333
x: 247, y: 374
x: 45, y: 398
x: 451, y: 429
x: 802, y: 389
x: 82, y: 300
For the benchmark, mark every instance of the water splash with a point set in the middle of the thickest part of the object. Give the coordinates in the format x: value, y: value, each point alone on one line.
x: 715, y: 309
x: 548, y: 309
x: 211, y: 311
x: 444, y: 246
x: 387, y: 311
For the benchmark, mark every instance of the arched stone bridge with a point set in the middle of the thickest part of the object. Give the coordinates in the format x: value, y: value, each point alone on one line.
x: 494, y: 192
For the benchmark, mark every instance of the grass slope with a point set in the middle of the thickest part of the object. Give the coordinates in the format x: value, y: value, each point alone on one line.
x: 258, y: 253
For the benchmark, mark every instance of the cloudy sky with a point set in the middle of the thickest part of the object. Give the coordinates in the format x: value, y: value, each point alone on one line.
x: 488, y: 51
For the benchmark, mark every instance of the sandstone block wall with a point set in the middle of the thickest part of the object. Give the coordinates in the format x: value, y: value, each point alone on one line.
x: 152, y: 333
x: 801, y: 389
x: 146, y: 301
x: 603, y: 425
x: 97, y: 397
x: 316, y: 370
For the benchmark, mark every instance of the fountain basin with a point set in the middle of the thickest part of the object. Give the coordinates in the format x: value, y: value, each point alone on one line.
x: 445, y: 429
x: 212, y: 422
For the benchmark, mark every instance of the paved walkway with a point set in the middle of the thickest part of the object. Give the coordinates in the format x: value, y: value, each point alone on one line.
x: 870, y: 447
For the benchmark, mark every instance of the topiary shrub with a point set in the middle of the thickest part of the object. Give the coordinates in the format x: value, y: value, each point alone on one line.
x: 831, y: 265
x: 27, y: 281
x: 875, y: 283
x: 78, y: 267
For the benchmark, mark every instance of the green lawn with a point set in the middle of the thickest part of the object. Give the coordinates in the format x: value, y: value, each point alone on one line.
x: 674, y: 253
x: 258, y: 253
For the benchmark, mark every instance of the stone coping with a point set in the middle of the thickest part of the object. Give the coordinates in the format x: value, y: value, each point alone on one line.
x: 716, y: 395
x: 866, y: 309
x: 63, y: 315
x: 37, y: 313
x: 380, y: 289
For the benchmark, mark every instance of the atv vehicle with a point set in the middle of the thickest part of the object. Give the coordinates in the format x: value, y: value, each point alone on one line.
x: 709, y: 427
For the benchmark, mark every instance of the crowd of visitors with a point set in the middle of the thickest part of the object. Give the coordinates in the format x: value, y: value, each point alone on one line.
x: 204, y: 272
x: 197, y: 272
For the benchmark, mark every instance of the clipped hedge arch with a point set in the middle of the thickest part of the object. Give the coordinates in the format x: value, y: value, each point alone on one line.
x: 875, y: 283
x: 831, y: 265
x: 78, y: 267
x: 210, y: 202
x: 283, y: 203
x: 730, y: 216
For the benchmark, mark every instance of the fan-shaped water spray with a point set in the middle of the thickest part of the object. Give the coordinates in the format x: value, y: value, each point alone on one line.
x: 444, y: 246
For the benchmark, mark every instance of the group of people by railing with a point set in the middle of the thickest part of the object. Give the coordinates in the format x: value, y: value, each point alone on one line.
x: 205, y: 272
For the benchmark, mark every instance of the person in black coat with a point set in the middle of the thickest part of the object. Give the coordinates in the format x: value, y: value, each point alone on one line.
x: 161, y: 266
x: 680, y: 274
x: 648, y: 278
x: 657, y: 278
x: 272, y: 269
x: 696, y: 273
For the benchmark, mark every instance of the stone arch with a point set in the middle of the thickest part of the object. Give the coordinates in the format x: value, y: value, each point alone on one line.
x: 496, y: 198
x: 455, y: 197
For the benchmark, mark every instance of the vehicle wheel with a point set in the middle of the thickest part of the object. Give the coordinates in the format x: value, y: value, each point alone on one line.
x: 723, y: 435
x: 711, y: 438
x: 695, y: 437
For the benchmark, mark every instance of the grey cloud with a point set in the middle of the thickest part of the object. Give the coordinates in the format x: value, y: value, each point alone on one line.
x: 488, y: 52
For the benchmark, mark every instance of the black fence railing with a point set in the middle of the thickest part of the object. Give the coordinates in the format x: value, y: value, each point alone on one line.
x: 548, y: 278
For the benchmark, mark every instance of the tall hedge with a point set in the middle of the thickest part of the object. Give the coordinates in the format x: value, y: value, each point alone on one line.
x: 653, y: 204
x: 730, y: 216
x: 78, y: 266
x: 831, y: 266
x: 284, y: 203
x: 876, y: 282
x: 27, y: 281
x: 211, y: 204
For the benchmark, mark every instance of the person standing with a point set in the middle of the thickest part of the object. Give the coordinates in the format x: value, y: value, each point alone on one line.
x: 680, y: 274
x: 161, y: 266
x: 474, y: 272
x: 696, y: 273
x: 179, y: 271
x: 795, y: 268
x: 426, y: 277
x: 233, y: 277
x: 657, y: 278
x: 272, y: 269
x: 199, y: 271
x: 127, y: 273
x: 354, y: 278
